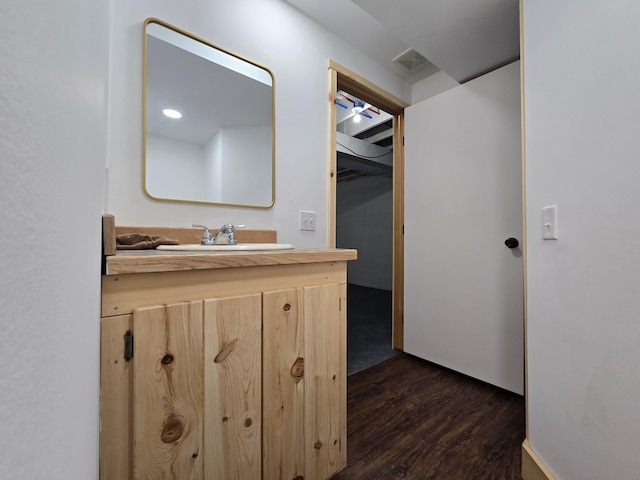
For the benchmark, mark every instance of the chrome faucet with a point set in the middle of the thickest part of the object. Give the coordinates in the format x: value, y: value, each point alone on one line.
x: 226, y: 235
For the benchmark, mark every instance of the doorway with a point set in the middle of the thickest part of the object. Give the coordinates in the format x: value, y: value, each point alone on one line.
x: 364, y: 221
x: 343, y: 79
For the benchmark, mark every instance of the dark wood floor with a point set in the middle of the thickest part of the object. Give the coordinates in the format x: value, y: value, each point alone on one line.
x: 409, y: 419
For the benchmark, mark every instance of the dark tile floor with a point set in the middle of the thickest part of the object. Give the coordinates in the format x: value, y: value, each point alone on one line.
x: 368, y: 327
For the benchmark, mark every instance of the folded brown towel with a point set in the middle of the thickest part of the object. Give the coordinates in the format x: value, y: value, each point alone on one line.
x: 140, y: 241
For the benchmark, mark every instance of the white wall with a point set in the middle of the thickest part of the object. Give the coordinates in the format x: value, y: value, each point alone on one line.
x: 431, y: 86
x: 184, y: 170
x: 269, y: 32
x: 364, y: 221
x: 53, y: 87
x: 246, y: 177
x: 582, y: 145
x: 213, y: 166
x: 175, y: 169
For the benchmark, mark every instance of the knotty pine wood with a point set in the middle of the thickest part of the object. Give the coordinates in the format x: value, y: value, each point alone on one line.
x: 283, y: 384
x: 144, y: 290
x: 168, y: 413
x: 122, y: 293
x: 156, y: 261
x: 116, y: 441
x: 304, y: 379
x: 340, y: 335
x: 412, y: 420
x: 332, y: 181
x: 325, y: 435
x: 108, y: 234
x: 397, y: 319
x: 525, y: 275
x: 532, y: 466
x: 233, y: 387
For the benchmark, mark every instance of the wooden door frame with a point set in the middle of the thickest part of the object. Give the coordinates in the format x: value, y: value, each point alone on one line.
x: 341, y: 78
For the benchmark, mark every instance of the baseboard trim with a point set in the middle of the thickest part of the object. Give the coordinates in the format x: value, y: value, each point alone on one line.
x: 532, y: 466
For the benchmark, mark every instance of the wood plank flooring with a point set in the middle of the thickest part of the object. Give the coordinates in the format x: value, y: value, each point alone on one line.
x: 410, y: 419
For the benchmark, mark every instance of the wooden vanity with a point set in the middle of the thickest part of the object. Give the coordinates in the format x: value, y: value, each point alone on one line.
x: 223, y: 366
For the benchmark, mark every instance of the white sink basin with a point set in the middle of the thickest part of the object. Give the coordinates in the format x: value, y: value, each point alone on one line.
x: 240, y: 247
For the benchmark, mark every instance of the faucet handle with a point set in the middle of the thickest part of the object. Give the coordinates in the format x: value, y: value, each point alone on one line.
x: 207, y: 237
x: 226, y: 235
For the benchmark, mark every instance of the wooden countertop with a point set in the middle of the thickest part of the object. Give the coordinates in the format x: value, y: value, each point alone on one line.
x: 152, y: 261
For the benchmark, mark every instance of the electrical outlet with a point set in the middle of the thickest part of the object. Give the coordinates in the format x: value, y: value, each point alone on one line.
x: 307, y: 221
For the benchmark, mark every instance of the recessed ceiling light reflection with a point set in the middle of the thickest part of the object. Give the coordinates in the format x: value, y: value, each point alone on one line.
x: 171, y: 113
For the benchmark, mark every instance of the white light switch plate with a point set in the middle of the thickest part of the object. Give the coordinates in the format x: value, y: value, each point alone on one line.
x: 550, y: 222
x: 307, y: 220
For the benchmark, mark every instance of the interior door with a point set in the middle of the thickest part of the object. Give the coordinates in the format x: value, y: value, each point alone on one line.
x: 463, y: 199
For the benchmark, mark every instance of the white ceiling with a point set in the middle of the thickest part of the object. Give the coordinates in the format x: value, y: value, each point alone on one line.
x: 209, y: 95
x: 463, y: 38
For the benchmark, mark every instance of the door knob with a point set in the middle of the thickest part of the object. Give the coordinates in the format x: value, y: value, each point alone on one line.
x: 511, y: 242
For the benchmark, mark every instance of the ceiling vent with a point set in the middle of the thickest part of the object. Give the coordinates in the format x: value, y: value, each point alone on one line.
x: 411, y: 60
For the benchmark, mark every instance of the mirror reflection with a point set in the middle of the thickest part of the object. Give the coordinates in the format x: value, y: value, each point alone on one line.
x: 208, y: 122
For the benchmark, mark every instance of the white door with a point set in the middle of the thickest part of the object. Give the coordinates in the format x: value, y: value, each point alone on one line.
x: 463, y: 199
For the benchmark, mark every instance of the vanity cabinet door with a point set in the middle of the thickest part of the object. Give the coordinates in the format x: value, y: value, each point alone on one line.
x: 196, y: 390
x: 232, y: 393
x: 116, y: 444
x: 326, y: 380
x: 168, y: 415
x: 243, y: 387
x: 304, y: 384
x: 283, y: 385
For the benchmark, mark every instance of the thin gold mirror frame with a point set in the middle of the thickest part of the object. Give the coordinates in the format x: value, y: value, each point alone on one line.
x: 145, y: 144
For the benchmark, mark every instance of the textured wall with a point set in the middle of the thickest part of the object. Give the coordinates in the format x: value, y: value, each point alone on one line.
x: 582, y: 122
x: 53, y: 89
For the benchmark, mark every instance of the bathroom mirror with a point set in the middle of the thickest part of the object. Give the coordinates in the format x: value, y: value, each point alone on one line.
x: 221, y: 149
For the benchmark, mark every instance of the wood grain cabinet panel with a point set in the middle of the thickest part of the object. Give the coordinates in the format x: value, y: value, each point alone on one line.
x: 325, y: 377
x: 304, y: 365
x: 116, y: 442
x: 249, y: 386
x: 168, y: 416
x: 233, y: 394
x: 283, y: 385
